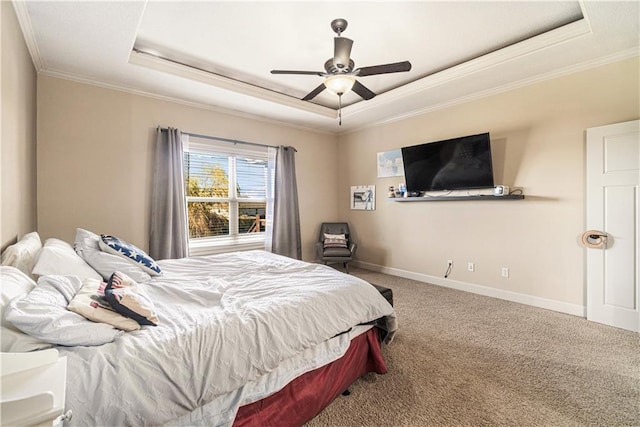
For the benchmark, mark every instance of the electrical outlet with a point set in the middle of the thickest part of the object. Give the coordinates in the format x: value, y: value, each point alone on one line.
x: 505, y: 272
x: 471, y: 266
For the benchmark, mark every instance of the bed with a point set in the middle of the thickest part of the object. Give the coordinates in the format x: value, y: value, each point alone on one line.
x: 244, y: 338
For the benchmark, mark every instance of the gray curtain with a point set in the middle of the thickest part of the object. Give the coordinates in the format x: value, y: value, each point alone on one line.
x: 168, y: 234
x: 272, y: 152
x: 286, y: 215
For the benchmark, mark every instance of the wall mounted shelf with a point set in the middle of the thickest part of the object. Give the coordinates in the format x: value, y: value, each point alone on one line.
x: 456, y: 198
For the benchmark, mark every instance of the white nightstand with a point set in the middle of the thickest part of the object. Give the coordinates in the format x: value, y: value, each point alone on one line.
x: 32, y: 389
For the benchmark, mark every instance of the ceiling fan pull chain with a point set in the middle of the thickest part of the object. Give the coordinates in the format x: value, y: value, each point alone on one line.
x: 339, y: 109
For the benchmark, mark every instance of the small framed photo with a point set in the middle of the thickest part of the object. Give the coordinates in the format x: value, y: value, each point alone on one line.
x: 363, y: 197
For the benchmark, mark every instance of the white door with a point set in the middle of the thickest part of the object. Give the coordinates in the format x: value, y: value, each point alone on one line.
x: 613, y: 175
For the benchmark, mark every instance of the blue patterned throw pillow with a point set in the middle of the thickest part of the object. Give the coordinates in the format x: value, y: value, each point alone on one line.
x: 113, y: 245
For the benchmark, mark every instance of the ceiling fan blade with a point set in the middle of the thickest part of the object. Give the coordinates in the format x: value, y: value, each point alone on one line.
x: 341, y: 52
x: 307, y: 73
x: 397, y: 67
x: 361, y: 90
x: 314, y: 92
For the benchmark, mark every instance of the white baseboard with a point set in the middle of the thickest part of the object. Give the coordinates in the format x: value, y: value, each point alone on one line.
x: 548, y: 304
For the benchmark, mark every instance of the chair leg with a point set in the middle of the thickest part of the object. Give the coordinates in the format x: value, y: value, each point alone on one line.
x: 346, y: 266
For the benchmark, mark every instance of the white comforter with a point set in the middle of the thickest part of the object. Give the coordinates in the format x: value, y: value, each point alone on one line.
x: 225, y: 320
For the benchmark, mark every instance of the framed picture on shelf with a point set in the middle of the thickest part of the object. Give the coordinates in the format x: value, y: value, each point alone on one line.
x: 363, y: 197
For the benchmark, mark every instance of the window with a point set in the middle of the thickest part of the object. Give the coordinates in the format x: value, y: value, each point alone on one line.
x: 227, y: 191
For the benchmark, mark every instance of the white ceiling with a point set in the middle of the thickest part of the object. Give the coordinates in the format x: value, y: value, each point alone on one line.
x: 219, y: 54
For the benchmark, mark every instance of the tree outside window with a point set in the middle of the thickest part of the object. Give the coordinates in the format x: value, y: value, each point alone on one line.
x: 226, y: 194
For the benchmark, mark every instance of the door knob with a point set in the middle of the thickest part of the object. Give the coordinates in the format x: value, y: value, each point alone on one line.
x: 594, y: 239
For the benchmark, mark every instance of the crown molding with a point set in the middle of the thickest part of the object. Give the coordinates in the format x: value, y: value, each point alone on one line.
x: 584, y: 66
x: 182, y: 70
x: 20, y: 7
x: 222, y: 110
x: 609, y: 59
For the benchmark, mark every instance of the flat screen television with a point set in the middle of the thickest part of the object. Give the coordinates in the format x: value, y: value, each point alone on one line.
x: 452, y: 164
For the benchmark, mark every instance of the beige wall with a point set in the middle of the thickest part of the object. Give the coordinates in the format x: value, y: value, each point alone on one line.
x: 18, y: 152
x: 95, y: 150
x: 538, y: 142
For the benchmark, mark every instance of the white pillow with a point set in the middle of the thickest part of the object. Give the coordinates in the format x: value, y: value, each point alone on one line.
x: 88, y: 247
x: 87, y: 304
x: 43, y: 314
x: 22, y: 254
x: 15, y: 284
x: 58, y: 257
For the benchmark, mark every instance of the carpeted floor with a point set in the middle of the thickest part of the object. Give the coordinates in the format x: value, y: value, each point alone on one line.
x: 464, y: 359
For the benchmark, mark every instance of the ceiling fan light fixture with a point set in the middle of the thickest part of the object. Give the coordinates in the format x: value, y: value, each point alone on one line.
x: 340, y: 83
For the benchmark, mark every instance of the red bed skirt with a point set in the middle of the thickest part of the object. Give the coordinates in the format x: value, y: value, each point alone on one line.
x: 304, y: 397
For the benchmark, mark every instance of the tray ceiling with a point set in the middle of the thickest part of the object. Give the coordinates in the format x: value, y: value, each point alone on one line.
x: 219, y: 54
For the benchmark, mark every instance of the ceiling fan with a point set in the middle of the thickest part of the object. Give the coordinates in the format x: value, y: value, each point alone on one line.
x: 340, y: 72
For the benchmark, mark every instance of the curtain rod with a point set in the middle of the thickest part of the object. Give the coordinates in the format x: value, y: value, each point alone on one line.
x: 232, y: 141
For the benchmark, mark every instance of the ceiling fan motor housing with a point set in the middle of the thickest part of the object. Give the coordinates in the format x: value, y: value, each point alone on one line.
x: 333, y: 69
